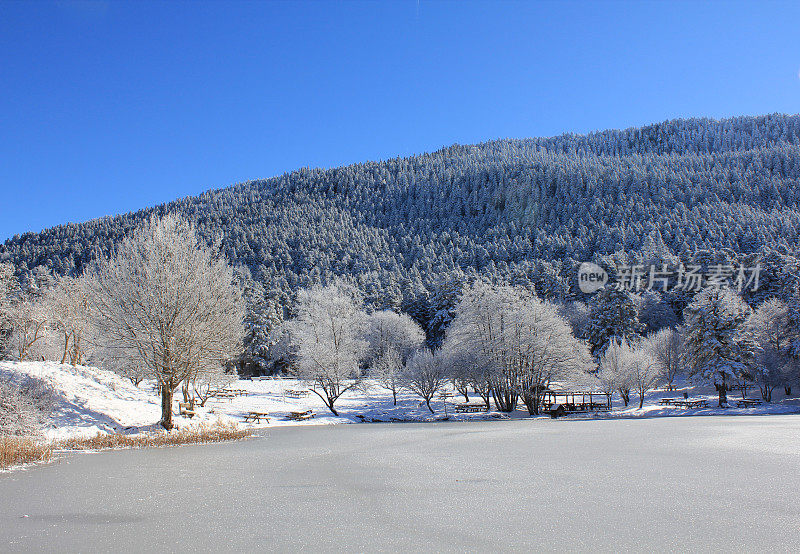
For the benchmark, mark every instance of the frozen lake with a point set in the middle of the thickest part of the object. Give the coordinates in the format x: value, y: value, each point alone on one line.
x: 699, y: 483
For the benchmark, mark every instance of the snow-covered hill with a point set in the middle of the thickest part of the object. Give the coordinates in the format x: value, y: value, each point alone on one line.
x: 91, y: 400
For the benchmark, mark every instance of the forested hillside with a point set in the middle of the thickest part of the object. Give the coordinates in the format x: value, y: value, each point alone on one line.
x: 410, y: 232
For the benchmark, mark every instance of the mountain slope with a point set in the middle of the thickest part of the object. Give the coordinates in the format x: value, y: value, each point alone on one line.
x: 528, y: 211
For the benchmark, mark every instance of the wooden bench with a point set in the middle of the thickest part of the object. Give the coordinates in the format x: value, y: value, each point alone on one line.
x: 470, y: 407
x: 667, y: 401
x: 748, y: 403
x: 256, y: 417
x: 186, y: 408
x: 300, y: 416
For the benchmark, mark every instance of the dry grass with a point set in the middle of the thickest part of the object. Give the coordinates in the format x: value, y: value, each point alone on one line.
x: 199, y: 434
x: 23, y: 450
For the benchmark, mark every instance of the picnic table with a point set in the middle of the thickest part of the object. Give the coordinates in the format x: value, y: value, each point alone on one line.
x: 299, y: 416
x: 256, y: 417
x: 296, y: 393
x: 695, y: 403
x: 748, y: 403
x: 186, y: 408
x: 471, y: 407
x: 666, y: 401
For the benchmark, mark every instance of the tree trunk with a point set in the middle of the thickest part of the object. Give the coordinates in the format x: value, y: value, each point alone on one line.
x: 166, y: 406
x: 394, y: 397
x: 788, y: 391
x: 329, y: 403
x: 641, y: 399
x: 723, y: 395
x: 66, y: 348
x: 428, y: 403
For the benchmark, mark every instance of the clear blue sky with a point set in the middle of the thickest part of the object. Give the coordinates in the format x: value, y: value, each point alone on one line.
x: 109, y: 107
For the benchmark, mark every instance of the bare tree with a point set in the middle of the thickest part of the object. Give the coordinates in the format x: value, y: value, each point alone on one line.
x: 168, y: 301
x: 206, y: 384
x: 326, y: 339
x: 426, y: 375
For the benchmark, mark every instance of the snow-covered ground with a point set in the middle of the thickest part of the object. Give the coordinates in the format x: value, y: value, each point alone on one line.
x: 92, y: 400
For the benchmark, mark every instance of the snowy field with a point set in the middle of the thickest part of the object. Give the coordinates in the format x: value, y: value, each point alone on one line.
x: 697, y: 484
x: 91, y: 400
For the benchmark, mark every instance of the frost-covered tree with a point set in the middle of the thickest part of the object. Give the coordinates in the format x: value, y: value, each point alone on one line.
x: 67, y: 304
x: 667, y: 348
x: 641, y: 367
x: 206, y: 384
x: 28, y: 319
x: 523, y: 340
x: 169, y: 302
x: 655, y: 313
x: 613, y: 317
x: 387, y: 329
x: 770, y: 324
x: 327, y: 341
x: 720, y: 346
x: 577, y: 314
x: 387, y: 370
x: 614, y: 374
x: 8, y: 286
x: 25, y: 404
x: 425, y: 375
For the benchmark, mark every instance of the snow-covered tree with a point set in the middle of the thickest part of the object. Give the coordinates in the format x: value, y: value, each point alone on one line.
x: 28, y: 322
x: 613, y: 373
x: 206, y: 384
x: 720, y: 346
x: 25, y: 404
x: 67, y: 304
x: 169, y: 302
x: 655, y: 313
x: 8, y: 285
x: 770, y: 324
x: 387, y: 370
x: 667, y: 348
x: 641, y: 367
x: 387, y: 329
x: 613, y: 317
x: 327, y: 341
x: 523, y: 340
x: 425, y: 375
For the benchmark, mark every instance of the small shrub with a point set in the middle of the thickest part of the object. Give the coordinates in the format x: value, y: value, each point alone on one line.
x: 23, y: 450
x: 203, y: 433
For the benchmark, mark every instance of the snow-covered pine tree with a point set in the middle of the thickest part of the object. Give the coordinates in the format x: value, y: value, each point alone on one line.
x: 720, y: 346
x: 613, y: 316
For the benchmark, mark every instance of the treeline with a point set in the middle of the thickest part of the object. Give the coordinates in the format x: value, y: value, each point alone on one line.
x: 411, y: 233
